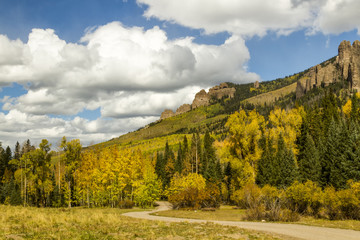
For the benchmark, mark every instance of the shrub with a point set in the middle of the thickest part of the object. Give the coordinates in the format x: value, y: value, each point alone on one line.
x: 350, y: 201
x: 331, y: 203
x: 304, y: 198
x: 126, y: 204
x: 248, y: 197
x: 192, y: 192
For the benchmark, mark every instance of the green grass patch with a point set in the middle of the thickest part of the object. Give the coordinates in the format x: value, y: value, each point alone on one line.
x: 105, y: 223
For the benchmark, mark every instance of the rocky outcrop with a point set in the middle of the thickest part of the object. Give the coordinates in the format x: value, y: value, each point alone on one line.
x: 221, y: 91
x: 354, y: 66
x: 202, y: 98
x: 344, y: 67
x: 167, y: 113
x: 183, y: 109
x: 256, y: 84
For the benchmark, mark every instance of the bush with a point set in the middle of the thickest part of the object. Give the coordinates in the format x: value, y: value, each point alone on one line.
x: 248, y: 197
x: 331, y: 203
x: 304, y: 198
x: 192, y: 192
x: 126, y: 204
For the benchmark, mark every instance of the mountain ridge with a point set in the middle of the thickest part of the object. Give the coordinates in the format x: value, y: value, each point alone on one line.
x: 210, y: 110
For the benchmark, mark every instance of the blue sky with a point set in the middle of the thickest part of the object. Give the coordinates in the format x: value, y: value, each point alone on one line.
x: 94, y: 69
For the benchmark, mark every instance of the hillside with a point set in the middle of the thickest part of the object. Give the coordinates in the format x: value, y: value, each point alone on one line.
x: 212, y: 109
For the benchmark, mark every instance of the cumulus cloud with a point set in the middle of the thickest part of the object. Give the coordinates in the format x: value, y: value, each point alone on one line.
x: 244, y: 18
x: 258, y: 17
x: 114, y: 66
x: 337, y: 16
x: 19, y: 126
x: 128, y: 72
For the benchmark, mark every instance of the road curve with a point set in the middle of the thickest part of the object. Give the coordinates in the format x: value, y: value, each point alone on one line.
x: 291, y: 230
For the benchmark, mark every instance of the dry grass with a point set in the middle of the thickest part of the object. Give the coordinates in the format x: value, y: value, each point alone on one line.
x: 270, y: 97
x: 81, y: 223
x: 344, y: 224
x: 226, y: 213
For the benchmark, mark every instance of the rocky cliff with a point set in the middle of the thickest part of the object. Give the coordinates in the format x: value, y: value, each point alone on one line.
x: 202, y: 98
x: 344, y: 67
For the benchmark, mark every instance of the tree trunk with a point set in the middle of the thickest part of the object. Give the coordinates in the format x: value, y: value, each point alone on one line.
x: 69, y: 186
x: 88, y: 198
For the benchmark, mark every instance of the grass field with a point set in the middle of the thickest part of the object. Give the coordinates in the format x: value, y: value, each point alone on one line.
x: 226, y: 213
x: 81, y: 223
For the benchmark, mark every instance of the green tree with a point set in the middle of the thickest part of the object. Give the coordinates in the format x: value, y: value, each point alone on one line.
x: 71, y: 155
x: 309, y: 161
x: 285, y: 164
x: 179, y: 163
x: 267, y: 171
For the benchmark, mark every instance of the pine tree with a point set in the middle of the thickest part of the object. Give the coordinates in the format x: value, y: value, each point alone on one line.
x: 196, y: 153
x: 354, y: 114
x: 334, y: 157
x: 160, y: 168
x: 352, y: 164
x: 267, y: 170
x: 285, y: 164
x: 179, y: 160
x: 309, y: 160
x: 227, y: 179
x: 210, y: 167
x: 169, y: 161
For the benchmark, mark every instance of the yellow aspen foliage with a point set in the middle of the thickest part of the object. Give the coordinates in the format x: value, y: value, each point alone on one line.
x: 242, y: 147
x: 287, y: 123
x: 347, y: 108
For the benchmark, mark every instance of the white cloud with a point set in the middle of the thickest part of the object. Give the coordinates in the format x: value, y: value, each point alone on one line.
x: 258, y: 17
x: 239, y: 17
x: 19, y: 126
x: 338, y: 16
x: 130, y: 73
x: 113, y: 62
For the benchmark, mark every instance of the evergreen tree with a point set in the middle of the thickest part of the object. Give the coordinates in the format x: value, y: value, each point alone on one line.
x: 285, y: 164
x: 210, y: 168
x: 160, y: 167
x: 334, y: 157
x: 352, y: 164
x: 196, y: 153
x: 354, y: 114
x: 17, y: 151
x: 309, y: 160
x: 267, y: 172
x: 227, y: 180
x: 169, y: 161
x: 179, y: 160
x: 3, y: 162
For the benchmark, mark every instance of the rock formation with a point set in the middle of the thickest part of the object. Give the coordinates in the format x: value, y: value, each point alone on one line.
x: 345, y: 66
x: 183, y: 109
x: 166, y: 114
x: 221, y: 91
x: 202, y: 98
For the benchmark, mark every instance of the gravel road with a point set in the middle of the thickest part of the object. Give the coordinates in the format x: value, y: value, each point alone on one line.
x: 291, y: 230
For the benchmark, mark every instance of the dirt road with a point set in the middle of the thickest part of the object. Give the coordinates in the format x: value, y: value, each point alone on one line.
x: 291, y: 230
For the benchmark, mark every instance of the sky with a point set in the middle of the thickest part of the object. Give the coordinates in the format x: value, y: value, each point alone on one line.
x: 97, y: 69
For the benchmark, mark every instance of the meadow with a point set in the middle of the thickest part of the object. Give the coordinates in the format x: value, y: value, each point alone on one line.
x: 105, y: 223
